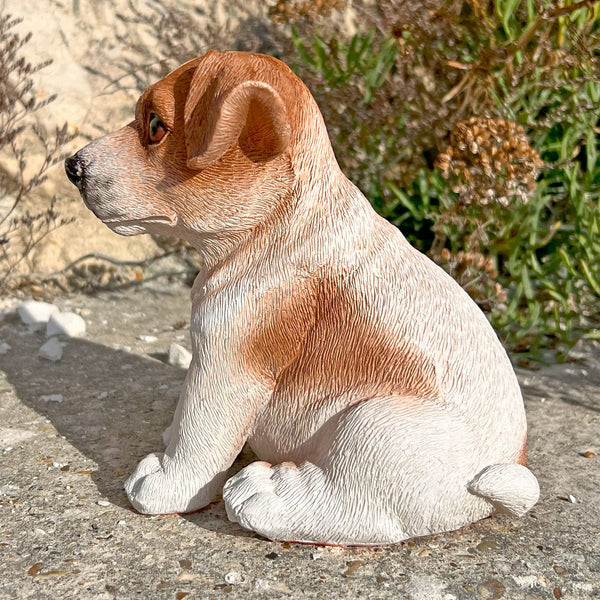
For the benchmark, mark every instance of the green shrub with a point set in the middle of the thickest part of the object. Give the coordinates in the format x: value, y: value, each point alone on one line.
x: 474, y: 127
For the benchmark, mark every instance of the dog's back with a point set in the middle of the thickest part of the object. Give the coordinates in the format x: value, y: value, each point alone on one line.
x: 377, y: 318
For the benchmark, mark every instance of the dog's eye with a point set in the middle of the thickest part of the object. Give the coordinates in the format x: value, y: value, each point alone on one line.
x: 156, y: 129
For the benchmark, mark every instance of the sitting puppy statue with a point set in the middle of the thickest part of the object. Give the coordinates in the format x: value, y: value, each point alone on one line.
x: 372, y: 388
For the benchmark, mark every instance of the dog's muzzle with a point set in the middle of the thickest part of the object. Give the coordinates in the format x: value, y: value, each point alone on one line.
x: 74, y: 168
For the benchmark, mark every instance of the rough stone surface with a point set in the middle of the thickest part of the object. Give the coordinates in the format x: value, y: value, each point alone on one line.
x: 65, y: 323
x: 68, y: 531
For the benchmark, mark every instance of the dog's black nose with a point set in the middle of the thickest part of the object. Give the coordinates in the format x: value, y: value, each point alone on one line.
x: 74, y: 169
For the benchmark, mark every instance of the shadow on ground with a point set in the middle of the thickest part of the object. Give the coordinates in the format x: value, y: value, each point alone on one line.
x: 115, y: 405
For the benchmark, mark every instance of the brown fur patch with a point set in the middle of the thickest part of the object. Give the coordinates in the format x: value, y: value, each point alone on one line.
x: 317, y: 341
x: 522, y: 458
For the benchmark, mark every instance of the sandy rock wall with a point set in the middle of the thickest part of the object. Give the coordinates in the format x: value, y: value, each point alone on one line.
x: 89, y: 43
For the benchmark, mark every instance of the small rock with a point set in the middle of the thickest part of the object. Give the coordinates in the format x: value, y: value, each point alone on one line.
x: 122, y: 348
x: 560, y: 570
x: 264, y: 585
x: 52, y: 398
x: 491, y: 590
x: 588, y: 454
x: 486, y: 544
x: 352, y: 567
x: 103, y: 503
x: 4, y: 348
x: 147, y: 338
x: 233, y: 577
x: 67, y: 323
x: 261, y: 584
x: 33, y: 570
x: 36, y: 314
x: 179, y: 356
x: 51, y: 350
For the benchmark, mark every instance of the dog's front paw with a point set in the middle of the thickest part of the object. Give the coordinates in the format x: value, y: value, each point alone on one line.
x: 161, y: 486
x: 147, y: 488
x: 152, y: 490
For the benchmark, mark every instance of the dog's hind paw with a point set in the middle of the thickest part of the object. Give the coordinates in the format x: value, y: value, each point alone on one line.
x: 276, y: 502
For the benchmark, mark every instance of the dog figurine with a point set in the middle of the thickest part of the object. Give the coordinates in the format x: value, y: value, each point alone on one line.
x: 372, y: 388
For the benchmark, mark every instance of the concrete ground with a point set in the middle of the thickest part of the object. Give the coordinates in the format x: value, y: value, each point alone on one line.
x: 67, y: 530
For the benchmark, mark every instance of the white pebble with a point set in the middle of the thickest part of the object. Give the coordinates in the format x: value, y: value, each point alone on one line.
x: 52, y: 398
x: 4, y: 348
x: 67, y: 323
x: 122, y: 348
x: 147, y: 338
x: 103, y: 503
x: 51, y: 350
x: 179, y: 356
x: 262, y: 584
x: 36, y: 314
x: 233, y: 577
x: 102, y: 395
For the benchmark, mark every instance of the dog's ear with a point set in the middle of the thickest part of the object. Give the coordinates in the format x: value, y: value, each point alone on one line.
x: 251, y: 113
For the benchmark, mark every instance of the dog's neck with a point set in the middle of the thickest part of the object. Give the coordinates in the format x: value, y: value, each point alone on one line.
x: 301, y: 226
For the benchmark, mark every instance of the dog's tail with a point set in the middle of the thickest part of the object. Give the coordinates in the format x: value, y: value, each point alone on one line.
x: 510, y: 487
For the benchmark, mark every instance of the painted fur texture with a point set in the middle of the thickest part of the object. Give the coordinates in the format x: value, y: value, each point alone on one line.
x: 374, y: 391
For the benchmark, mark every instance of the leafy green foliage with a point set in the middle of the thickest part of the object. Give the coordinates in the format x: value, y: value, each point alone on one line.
x: 394, y: 102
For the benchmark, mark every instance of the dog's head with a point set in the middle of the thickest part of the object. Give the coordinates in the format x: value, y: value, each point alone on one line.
x: 215, y: 148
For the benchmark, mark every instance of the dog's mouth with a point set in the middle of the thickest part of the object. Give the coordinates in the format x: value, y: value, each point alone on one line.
x: 141, y: 225
x: 159, y: 220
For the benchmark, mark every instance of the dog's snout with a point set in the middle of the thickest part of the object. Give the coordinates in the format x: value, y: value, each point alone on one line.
x: 74, y: 168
